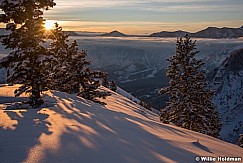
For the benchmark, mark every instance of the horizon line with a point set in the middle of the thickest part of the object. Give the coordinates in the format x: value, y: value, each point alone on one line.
x: 68, y: 29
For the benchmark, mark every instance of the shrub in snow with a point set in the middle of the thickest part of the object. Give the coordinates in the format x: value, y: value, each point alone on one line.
x: 113, y: 86
x: 190, y: 103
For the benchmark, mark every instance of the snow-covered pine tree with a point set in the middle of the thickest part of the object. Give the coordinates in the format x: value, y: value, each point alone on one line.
x: 70, y: 69
x: 190, y: 103
x: 90, y: 84
x: 67, y: 62
x: 24, y: 23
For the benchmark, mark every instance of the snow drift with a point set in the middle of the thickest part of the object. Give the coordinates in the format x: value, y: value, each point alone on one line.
x: 72, y: 129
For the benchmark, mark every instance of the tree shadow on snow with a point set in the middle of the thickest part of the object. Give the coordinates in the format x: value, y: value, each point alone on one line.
x: 103, y: 135
x: 6, y: 99
x: 202, y: 147
x: 18, y: 141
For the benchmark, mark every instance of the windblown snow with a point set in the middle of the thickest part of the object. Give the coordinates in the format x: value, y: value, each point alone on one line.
x: 72, y: 129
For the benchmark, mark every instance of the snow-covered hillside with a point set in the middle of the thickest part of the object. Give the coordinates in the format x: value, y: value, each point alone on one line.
x: 228, y: 84
x: 72, y: 129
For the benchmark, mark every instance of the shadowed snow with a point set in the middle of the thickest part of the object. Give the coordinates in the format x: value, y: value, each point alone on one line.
x: 77, y: 130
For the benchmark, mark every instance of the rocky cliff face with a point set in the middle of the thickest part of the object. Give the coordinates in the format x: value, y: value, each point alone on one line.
x: 228, y: 84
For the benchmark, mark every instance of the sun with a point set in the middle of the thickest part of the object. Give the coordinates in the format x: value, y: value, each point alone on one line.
x: 49, y: 24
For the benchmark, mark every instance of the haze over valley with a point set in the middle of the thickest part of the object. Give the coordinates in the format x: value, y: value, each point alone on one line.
x: 137, y: 64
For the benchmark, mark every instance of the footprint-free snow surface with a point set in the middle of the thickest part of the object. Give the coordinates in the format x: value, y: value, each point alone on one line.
x: 72, y: 129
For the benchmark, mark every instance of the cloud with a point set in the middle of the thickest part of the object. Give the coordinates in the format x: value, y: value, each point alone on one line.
x: 194, y: 8
x: 125, y: 3
x: 146, y: 15
x: 149, y: 5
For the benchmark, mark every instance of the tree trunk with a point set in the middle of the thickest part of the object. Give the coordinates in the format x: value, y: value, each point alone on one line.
x: 36, y: 99
x: 7, y: 77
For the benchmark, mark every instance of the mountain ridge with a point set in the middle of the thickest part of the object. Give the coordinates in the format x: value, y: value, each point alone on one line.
x: 209, y: 32
x: 114, y: 33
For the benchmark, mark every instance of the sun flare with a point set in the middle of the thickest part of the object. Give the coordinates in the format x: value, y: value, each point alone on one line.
x: 49, y: 24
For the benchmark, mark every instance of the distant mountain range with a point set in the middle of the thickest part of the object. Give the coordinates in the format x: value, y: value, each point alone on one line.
x: 210, y: 32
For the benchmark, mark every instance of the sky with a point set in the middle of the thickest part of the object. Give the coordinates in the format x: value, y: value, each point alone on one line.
x: 145, y: 16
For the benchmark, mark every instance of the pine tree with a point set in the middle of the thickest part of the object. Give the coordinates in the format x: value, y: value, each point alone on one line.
x: 26, y: 33
x: 70, y: 71
x: 67, y: 62
x: 190, y: 104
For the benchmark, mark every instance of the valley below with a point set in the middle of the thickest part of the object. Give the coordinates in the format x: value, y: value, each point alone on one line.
x: 138, y: 65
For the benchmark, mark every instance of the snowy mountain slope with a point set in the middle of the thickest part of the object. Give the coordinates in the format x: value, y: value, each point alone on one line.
x: 228, y: 84
x: 134, y: 99
x: 138, y: 64
x: 214, y: 32
x: 127, y: 95
x: 72, y: 129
